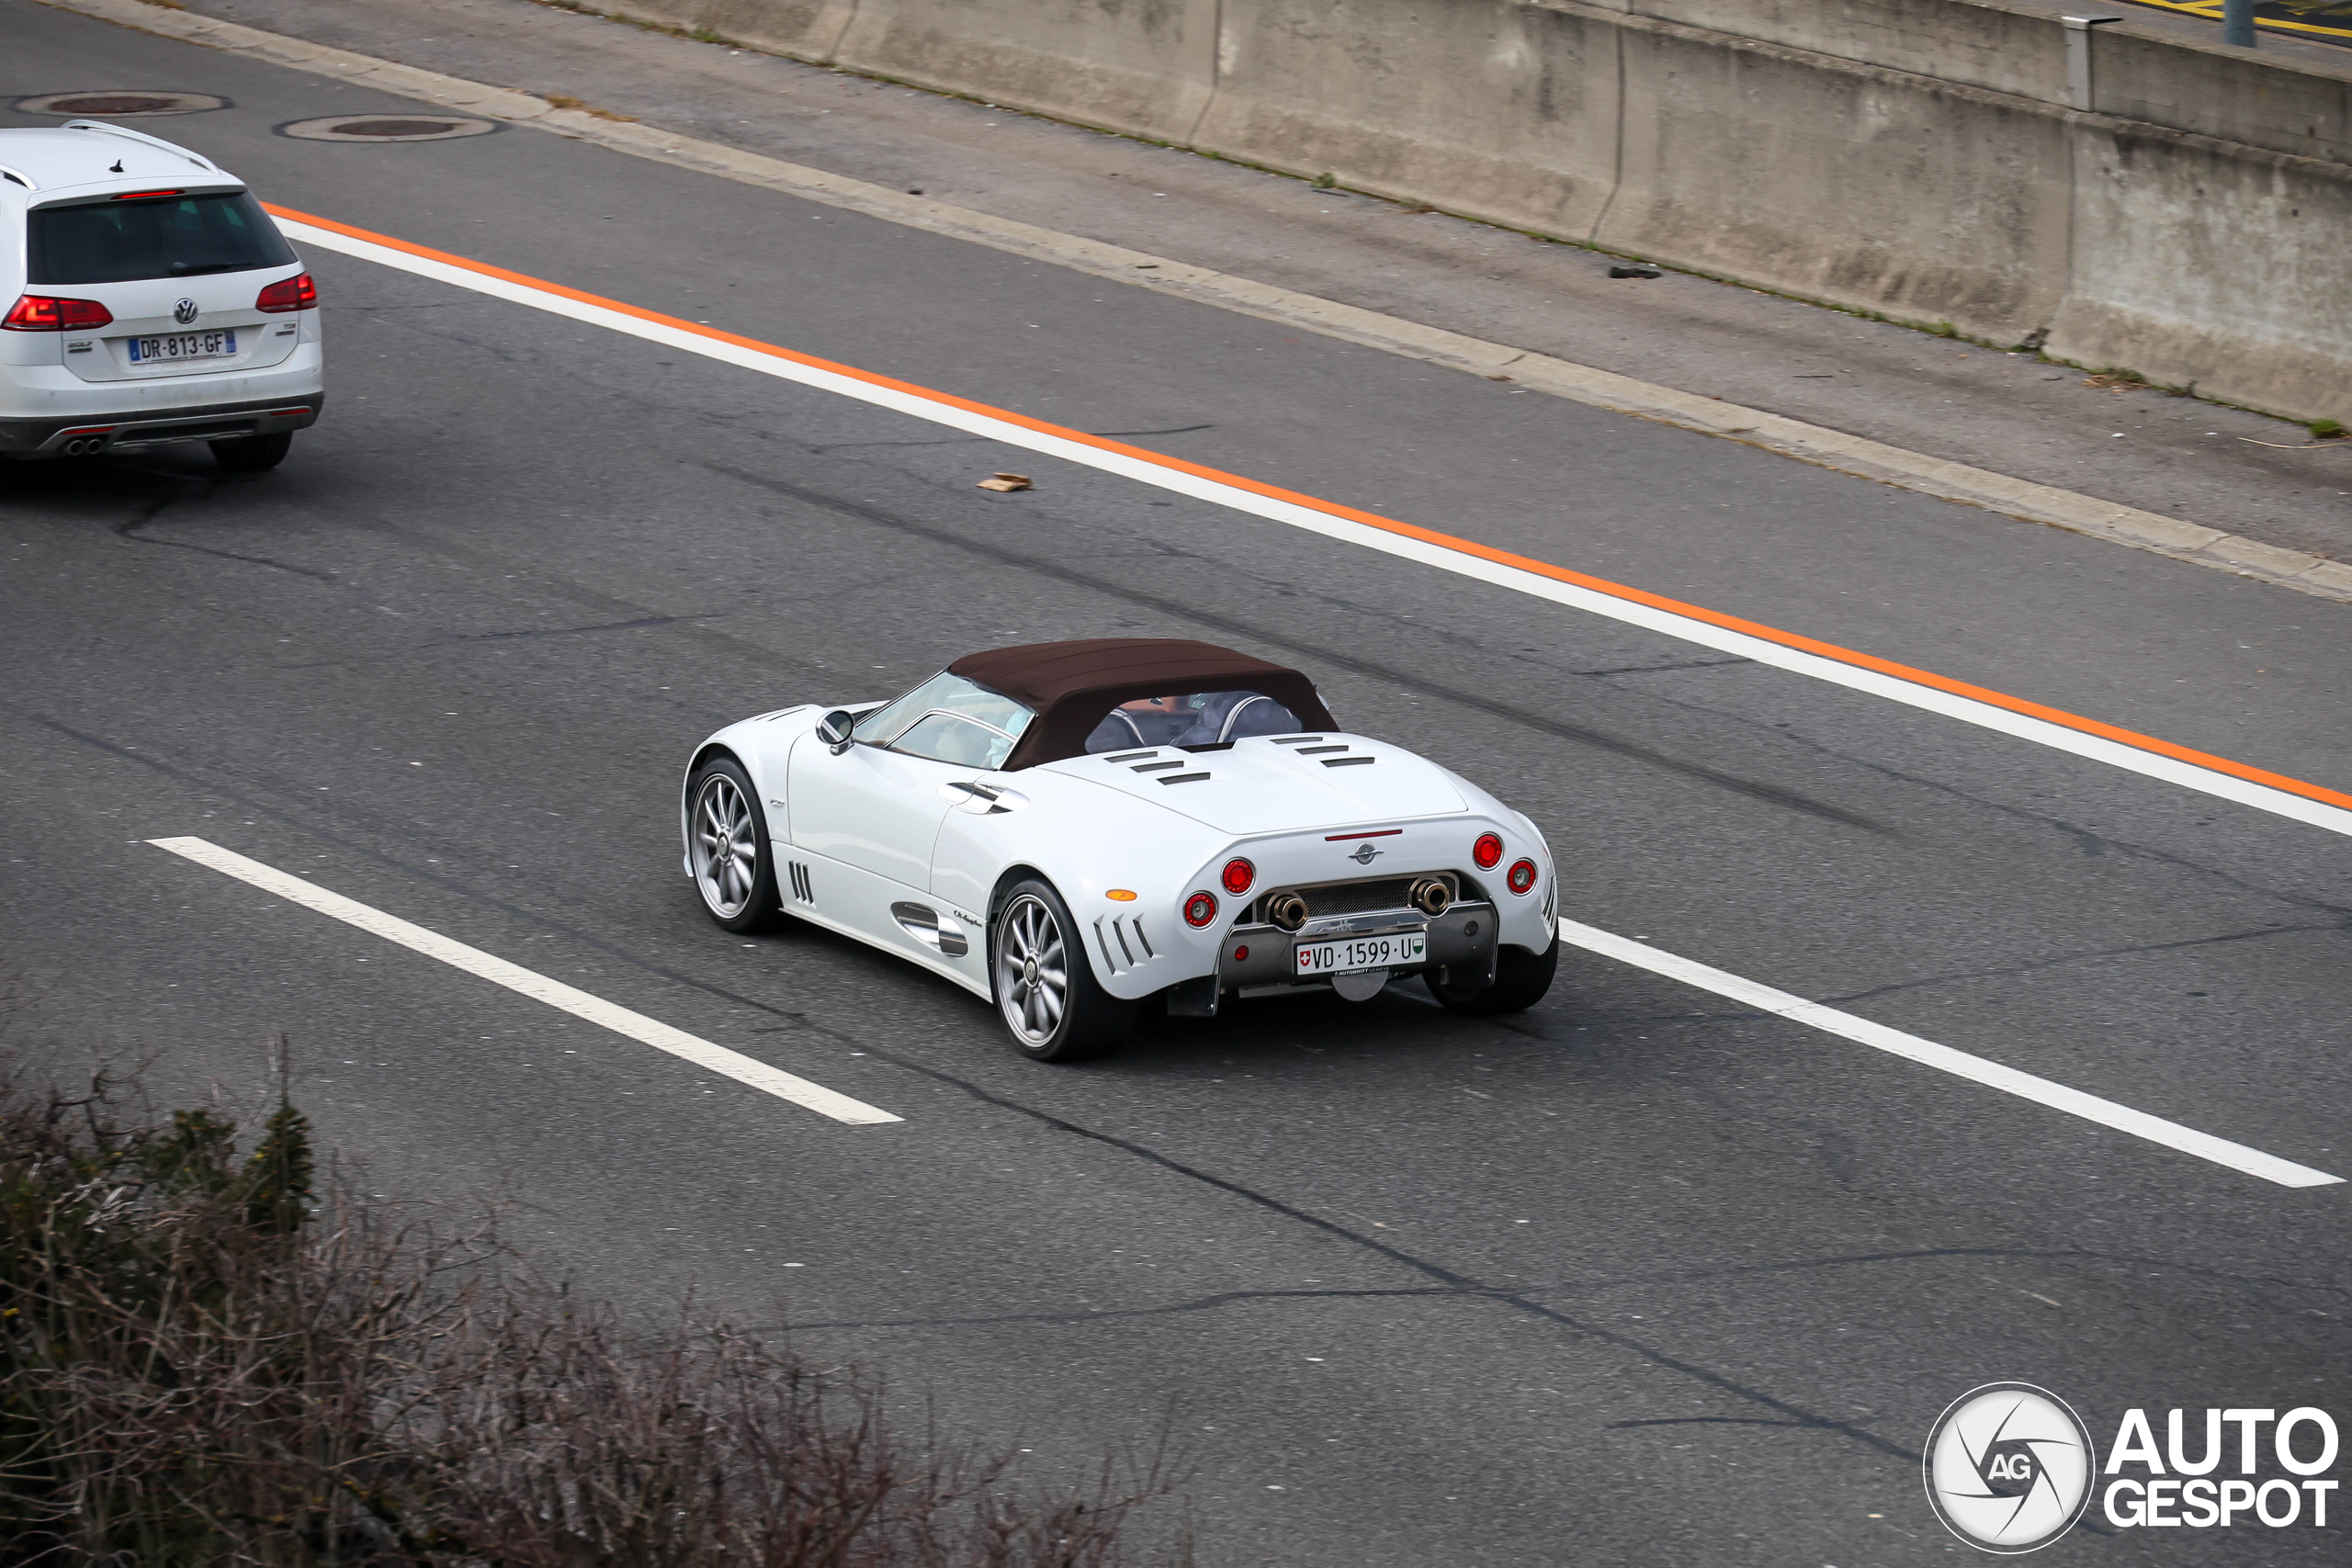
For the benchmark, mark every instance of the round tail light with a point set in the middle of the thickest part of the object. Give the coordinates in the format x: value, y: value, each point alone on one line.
x: 1521, y: 876
x: 1200, y: 909
x: 1487, y: 852
x: 1238, y: 875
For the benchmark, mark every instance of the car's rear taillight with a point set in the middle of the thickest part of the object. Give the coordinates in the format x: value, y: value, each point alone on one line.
x: 1487, y: 852
x: 1521, y: 875
x: 1238, y: 875
x: 41, y: 313
x: 1200, y: 909
x: 297, y: 293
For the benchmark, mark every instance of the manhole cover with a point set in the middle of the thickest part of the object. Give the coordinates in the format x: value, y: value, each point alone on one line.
x: 387, y: 128
x: 121, y: 103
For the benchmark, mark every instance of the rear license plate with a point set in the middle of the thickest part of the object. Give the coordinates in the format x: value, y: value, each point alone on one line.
x: 183, y: 345
x: 1361, y: 952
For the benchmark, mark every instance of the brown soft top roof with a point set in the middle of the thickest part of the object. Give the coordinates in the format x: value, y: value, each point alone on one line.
x: 1071, y: 685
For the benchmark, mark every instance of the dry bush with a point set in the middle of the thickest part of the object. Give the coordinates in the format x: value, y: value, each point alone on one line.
x: 199, y: 1363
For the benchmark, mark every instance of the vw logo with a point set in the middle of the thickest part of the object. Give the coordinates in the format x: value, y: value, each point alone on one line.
x: 1364, y: 854
x: 2009, y: 1468
x: 184, y: 312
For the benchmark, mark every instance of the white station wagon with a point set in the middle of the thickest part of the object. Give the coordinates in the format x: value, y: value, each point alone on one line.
x: 1073, y: 830
x: 149, y: 299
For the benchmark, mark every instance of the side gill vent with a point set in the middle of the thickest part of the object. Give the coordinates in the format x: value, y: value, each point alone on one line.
x: 1296, y: 739
x: 1155, y: 767
x: 1183, y: 778
x: 800, y: 888
x: 1131, y: 756
x: 1348, y: 762
x: 1318, y: 751
x: 1120, y: 928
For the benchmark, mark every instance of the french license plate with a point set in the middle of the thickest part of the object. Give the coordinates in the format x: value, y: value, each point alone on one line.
x: 183, y: 345
x: 1361, y: 952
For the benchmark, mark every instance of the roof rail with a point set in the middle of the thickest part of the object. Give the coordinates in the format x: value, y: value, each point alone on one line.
x: 18, y: 175
x: 155, y: 141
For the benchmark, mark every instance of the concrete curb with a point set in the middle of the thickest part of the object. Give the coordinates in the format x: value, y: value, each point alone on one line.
x: 1817, y: 445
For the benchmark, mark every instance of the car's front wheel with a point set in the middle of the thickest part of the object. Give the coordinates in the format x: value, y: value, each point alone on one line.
x: 1045, y: 989
x: 251, y: 454
x: 727, y: 847
x: 1522, y: 979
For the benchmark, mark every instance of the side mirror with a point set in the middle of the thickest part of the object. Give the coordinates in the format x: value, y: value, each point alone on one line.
x: 833, y: 729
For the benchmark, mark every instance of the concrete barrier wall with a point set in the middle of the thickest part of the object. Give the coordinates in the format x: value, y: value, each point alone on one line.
x: 1920, y: 158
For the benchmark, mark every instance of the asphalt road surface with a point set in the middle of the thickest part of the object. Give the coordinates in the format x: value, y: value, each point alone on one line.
x: 1642, y: 1277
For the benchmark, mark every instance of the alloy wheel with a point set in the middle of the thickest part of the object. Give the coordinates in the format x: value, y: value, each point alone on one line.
x: 1032, y: 970
x: 726, y: 847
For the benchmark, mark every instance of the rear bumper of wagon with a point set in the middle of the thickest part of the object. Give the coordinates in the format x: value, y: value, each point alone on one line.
x: 50, y: 437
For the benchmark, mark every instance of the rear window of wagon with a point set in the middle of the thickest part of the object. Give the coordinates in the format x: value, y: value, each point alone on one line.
x: 121, y: 241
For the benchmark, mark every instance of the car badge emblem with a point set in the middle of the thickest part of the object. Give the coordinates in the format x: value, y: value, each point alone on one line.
x: 1364, y: 854
x: 184, y: 312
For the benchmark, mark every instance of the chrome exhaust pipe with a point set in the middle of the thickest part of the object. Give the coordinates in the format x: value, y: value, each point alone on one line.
x: 1286, y: 910
x: 1431, y: 896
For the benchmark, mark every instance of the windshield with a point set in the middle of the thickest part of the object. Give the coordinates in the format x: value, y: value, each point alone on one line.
x: 1197, y: 719
x: 983, y: 729
x: 118, y: 242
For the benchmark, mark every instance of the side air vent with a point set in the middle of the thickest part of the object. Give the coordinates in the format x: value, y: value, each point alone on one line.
x: 801, y: 891
x: 1122, y: 941
x: 1130, y: 756
x: 923, y: 923
x: 1296, y: 739
x: 1318, y: 751
x: 1187, y: 778
x: 1157, y: 767
x: 1347, y: 761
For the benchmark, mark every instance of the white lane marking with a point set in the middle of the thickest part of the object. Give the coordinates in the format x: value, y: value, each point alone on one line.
x: 1927, y: 1052
x: 646, y: 1030
x: 1143, y: 470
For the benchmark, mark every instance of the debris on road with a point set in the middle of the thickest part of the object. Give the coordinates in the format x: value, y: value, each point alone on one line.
x: 1633, y: 269
x: 1005, y: 482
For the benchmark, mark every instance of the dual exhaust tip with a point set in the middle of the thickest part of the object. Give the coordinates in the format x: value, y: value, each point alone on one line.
x: 1429, y: 895
x: 82, y: 443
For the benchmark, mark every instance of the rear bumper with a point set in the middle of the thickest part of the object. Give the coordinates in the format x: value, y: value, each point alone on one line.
x: 52, y: 436
x: 1463, y: 943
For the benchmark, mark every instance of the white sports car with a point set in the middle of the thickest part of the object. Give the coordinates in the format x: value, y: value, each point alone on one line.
x: 1074, y: 829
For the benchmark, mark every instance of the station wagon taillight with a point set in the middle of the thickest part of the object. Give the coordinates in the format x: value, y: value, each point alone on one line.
x: 297, y: 293
x: 41, y: 313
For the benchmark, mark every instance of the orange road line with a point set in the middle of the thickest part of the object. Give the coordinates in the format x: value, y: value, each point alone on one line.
x: 1373, y: 520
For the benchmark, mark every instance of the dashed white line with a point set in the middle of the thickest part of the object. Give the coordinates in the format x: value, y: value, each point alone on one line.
x: 1944, y: 1059
x: 635, y: 1026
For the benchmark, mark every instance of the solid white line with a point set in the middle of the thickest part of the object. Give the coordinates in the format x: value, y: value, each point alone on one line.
x: 1968, y: 710
x: 1927, y: 1052
x: 539, y: 987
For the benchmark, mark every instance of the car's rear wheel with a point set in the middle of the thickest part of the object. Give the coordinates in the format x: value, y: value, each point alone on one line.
x: 251, y: 454
x: 727, y: 847
x: 1522, y: 979
x: 1045, y: 989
